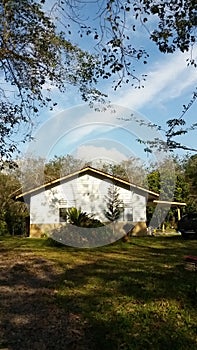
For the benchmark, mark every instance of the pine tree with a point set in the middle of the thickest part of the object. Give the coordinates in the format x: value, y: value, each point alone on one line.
x: 114, y: 204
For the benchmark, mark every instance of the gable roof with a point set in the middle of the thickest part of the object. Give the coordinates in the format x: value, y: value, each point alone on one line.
x: 91, y: 171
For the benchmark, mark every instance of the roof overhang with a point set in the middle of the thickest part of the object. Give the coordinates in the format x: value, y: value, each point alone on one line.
x: 169, y: 203
x: 94, y: 172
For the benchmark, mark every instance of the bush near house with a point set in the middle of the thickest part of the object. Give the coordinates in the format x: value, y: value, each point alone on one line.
x: 82, y: 219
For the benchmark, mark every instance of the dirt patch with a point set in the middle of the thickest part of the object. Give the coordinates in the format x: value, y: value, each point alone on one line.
x: 30, y: 318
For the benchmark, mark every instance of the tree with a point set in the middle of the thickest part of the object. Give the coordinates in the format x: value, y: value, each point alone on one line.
x: 190, y: 171
x: 12, y: 214
x: 131, y: 170
x: 35, y: 171
x: 114, y: 204
x: 115, y: 23
x: 62, y: 166
x: 34, y: 56
x: 175, y: 127
x: 171, y: 25
x: 37, y: 51
x: 178, y: 190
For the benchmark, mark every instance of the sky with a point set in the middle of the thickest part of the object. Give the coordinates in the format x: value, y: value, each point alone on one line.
x: 74, y: 128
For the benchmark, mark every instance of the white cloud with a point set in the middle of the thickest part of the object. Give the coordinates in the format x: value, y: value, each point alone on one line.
x: 73, y: 136
x: 95, y: 154
x: 69, y: 128
x: 167, y: 79
x: 74, y: 127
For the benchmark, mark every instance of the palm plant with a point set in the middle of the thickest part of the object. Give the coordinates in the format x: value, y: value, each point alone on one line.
x: 82, y: 219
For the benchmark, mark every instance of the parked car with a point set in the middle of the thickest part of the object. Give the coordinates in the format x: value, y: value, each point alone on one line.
x: 187, y: 226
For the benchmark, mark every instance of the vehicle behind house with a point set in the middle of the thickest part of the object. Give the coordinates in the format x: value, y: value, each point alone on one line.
x: 187, y: 226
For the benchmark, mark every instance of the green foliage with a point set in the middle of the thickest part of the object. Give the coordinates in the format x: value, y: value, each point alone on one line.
x: 62, y: 166
x: 33, y: 55
x: 34, y: 172
x: 175, y: 127
x: 114, y: 204
x: 3, y: 228
x: 190, y: 167
x: 13, y: 214
x: 131, y: 170
x: 30, y: 172
x: 174, y: 29
x: 184, y: 188
x: 36, y: 54
x: 82, y: 219
x: 37, y: 171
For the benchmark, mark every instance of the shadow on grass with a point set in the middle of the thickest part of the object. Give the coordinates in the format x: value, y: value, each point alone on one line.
x: 138, y: 298
x: 121, y: 297
x: 29, y: 316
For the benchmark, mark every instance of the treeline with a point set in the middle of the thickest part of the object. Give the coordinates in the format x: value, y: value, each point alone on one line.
x: 179, y: 183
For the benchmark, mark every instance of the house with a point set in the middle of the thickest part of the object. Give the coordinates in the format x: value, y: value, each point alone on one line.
x: 85, y: 189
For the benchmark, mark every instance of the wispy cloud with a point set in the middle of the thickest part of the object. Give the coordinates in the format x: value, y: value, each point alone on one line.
x: 69, y: 128
x: 167, y: 79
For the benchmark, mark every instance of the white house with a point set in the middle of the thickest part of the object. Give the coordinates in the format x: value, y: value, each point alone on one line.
x: 85, y: 189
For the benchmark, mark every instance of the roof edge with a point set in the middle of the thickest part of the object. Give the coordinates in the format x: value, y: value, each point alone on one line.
x: 83, y: 170
x: 169, y: 202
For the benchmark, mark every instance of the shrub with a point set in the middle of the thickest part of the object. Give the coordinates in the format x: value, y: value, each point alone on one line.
x: 82, y: 219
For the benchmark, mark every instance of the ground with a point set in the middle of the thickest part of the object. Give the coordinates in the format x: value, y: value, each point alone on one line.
x: 30, y: 316
x: 125, y: 296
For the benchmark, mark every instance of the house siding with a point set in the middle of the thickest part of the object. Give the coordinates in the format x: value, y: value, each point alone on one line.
x: 86, y: 192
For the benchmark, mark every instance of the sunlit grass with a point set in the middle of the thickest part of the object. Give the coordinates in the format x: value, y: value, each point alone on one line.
x: 134, y: 295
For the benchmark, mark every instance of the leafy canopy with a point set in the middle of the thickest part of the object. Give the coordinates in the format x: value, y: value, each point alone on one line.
x: 37, y: 51
x: 113, y: 24
x: 33, y: 58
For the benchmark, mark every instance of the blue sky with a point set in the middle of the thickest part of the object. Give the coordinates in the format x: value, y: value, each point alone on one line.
x: 74, y: 128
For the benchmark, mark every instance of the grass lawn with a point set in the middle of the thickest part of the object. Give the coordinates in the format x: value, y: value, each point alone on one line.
x: 134, y: 295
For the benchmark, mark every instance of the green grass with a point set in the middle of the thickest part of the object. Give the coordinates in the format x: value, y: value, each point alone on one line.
x: 134, y: 295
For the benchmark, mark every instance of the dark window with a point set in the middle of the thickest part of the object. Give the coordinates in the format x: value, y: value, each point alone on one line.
x: 128, y: 214
x: 63, y: 215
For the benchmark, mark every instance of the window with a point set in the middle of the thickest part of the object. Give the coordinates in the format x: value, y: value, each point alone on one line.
x: 128, y: 214
x: 63, y: 214
x: 63, y: 202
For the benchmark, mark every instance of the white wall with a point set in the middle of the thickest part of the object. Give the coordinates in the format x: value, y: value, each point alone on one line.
x: 85, y: 192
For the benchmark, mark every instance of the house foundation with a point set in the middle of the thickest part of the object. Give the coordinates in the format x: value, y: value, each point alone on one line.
x: 44, y: 230
x: 140, y: 229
